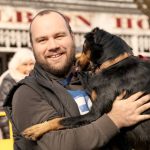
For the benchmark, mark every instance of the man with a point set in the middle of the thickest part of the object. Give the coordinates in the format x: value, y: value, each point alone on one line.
x: 45, y: 94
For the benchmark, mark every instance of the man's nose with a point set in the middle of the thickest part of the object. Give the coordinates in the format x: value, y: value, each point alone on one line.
x: 52, y: 44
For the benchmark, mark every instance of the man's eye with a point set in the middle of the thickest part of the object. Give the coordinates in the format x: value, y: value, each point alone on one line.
x: 41, y: 40
x: 60, y: 36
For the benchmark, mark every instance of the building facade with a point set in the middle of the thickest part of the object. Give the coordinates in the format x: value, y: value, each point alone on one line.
x: 120, y: 17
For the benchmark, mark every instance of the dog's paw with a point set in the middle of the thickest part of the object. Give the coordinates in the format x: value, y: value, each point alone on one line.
x: 35, y: 131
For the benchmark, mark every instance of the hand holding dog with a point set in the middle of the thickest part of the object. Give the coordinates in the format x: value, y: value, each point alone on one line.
x: 128, y: 112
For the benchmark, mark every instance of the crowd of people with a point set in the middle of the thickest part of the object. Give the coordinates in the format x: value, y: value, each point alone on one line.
x: 19, y: 66
x: 51, y: 90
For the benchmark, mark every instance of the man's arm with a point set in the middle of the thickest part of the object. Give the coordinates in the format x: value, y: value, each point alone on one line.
x: 94, y: 135
x: 29, y: 109
x: 124, y: 113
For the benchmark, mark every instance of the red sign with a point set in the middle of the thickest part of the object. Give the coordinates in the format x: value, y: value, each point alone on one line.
x: 130, y: 23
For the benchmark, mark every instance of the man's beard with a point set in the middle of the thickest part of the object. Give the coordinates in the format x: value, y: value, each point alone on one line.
x: 59, y: 72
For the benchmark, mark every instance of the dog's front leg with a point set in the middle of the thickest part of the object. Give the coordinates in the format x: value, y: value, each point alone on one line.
x: 35, y: 131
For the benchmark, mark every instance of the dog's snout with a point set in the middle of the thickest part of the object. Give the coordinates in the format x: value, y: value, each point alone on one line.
x: 77, y: 65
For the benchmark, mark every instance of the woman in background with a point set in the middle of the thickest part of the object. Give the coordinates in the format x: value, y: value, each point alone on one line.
x: 19, y: 67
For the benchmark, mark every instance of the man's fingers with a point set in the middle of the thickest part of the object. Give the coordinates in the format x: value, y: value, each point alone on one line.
x: 144, y: 117
x: 135, y: 96
x: 143, y: 108
x: 144, y: 99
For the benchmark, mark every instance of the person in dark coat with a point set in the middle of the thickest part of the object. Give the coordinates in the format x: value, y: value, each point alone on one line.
x: 53, y: 90
x: 19, y: 66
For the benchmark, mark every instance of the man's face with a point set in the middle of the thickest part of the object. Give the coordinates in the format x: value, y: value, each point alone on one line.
x: 53, y: 44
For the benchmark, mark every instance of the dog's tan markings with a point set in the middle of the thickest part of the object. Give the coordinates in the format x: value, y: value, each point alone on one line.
x: 35, y: 131
x: 93, y: 95
x: 84, y: 59
x: 109, y: 63
x: 78, y: 55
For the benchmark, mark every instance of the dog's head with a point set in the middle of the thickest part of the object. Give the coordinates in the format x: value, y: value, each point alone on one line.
x: 100, y: 46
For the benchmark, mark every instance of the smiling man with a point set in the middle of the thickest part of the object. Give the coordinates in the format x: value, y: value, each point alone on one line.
x: 53, y: 44
x: 51, y: 91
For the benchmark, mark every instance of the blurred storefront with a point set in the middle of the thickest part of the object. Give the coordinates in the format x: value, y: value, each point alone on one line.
x: 119, y: 17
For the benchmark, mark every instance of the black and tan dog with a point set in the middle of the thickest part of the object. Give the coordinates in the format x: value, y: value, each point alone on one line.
x: 114, y: 69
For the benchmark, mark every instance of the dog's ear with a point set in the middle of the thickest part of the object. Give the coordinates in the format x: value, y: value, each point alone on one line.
x: 101, y: 36
x: 95, y: 30
x: 107, y: 45
x: 89, y: 41
x: 93, y: 46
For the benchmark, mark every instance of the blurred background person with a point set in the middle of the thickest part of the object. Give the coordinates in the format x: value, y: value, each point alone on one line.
x: 19, y: 67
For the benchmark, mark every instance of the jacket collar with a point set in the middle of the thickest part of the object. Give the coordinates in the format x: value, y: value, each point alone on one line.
x: 52, y: 83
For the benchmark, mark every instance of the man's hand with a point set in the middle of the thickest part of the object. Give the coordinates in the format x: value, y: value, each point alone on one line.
x: 127, y: 112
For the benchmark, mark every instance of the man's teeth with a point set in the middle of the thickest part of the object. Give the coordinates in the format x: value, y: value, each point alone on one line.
x: 54, y: 56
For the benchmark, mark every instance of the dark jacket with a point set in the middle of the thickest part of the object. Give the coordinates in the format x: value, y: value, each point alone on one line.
x: 7, y: 83
x: 41, y: 97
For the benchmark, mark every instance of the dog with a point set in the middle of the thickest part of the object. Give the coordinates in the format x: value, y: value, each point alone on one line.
x: 113, y: 69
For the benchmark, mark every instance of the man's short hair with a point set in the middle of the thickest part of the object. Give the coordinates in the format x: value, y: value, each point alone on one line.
x: 44, y: 12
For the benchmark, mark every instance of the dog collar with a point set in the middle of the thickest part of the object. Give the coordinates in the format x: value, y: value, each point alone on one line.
x: 111, y: 62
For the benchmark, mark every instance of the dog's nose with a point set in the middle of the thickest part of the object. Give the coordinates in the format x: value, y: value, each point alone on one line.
x: 77, y: 69
x: 78, y: 65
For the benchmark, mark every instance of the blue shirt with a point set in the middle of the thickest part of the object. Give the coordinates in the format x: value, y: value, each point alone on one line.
x: 82, y: 99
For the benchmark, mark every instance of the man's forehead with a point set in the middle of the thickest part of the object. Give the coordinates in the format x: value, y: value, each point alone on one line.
x: 49, y: 15
x: 54, y: 21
